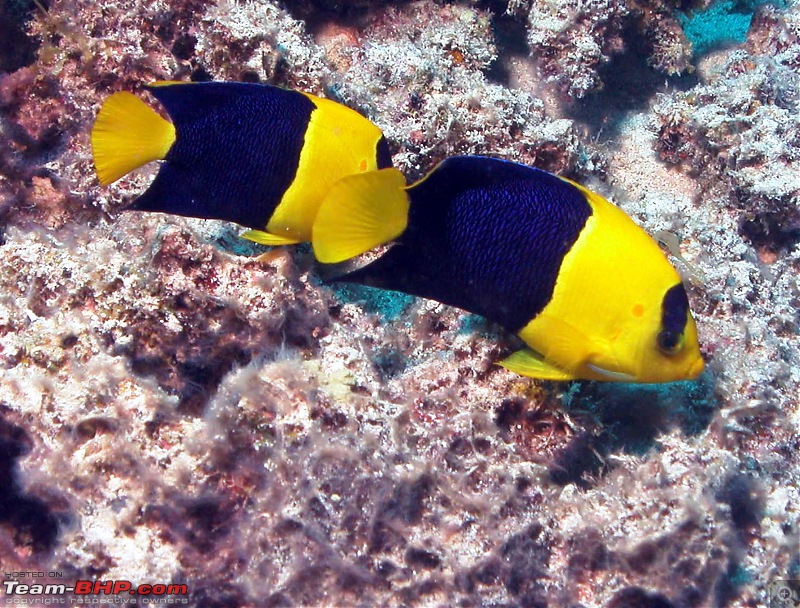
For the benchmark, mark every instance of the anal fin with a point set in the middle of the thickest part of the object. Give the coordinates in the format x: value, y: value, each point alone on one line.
x: 526, y: 362
x: 267, y: 238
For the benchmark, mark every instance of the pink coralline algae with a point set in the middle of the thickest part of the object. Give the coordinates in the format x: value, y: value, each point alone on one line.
x: 178, y: 406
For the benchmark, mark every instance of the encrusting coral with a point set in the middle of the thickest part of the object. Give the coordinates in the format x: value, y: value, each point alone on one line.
x: 741, y: 128
x: 176, y: 407
x: 573, y: 40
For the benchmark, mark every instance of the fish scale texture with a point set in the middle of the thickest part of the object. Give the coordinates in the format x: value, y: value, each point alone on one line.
x: 226, y: 134
x: 480, y: 227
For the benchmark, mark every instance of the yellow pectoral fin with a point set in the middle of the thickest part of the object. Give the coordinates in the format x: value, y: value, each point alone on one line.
x: 559, y: 341
x: 525, y: 362
x: 267, y: 238
x: 359, y: 213
x: 126, y: 135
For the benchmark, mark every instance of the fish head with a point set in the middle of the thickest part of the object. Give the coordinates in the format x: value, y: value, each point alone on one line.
x: 670, y: 349
x: 658, y: 343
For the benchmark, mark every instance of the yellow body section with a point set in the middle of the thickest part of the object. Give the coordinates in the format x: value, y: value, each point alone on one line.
x: 338, y: 142
x: 605, y: 313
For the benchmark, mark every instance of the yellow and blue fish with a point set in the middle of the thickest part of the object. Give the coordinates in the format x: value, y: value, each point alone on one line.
x: 258, y: 155
x: 588, y: 291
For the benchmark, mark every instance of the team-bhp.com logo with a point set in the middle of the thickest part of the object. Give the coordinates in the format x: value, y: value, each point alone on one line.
x: 84, y: 592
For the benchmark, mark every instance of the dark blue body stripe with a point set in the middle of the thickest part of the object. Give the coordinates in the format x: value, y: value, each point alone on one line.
x: 485, y: 235
x: 236, y: 152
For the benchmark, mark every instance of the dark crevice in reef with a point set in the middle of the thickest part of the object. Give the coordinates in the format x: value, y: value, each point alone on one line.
x: 580, y: 460
x: 636, y: 597
x: 190, y: 367
x: 627, y: 419
x: 318, y: 13
x: 511, y: 39
x: 629, y: 85
x: 744, y: 498
x: 520, y: 564
x: 199, y: 522
x: 34, y: 526
x: 17, y: 49
x: 191, y: 362
x: 778, y: 231
x: 219, y: 594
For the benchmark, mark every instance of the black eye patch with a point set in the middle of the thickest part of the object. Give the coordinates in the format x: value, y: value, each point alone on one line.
x: 675, y: 309
x: 674, y: 314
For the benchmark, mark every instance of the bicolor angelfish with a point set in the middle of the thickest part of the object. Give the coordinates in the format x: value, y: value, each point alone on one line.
x: 258, y: 155
x: 588, y: 291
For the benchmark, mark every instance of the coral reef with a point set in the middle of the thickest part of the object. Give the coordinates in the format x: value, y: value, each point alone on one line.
x: 573, y: 40
x: 176, y: 406
x: 741, y: 129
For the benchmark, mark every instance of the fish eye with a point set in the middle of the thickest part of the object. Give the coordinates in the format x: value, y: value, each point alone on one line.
x: 669, y: 342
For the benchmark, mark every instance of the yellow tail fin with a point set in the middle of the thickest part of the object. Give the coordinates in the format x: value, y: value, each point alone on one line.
x: 126, y: 135
x: 360, y: 212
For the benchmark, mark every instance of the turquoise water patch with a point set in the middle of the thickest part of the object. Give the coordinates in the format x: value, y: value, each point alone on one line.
x: 722, y: 23
x: 389, y: 304
x: 471, y: 324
